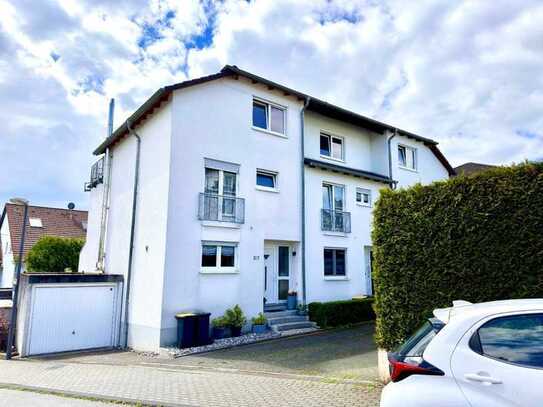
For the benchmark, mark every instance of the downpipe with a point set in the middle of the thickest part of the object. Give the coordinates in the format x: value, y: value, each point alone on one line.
x: 302, y: 115
x: 389, y: 140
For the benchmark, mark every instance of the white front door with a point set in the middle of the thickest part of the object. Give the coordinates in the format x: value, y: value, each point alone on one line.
x: 270, y: 276
x: 277, y: 273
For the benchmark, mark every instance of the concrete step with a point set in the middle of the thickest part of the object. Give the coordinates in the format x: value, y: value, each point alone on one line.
x: 293, y: 325
x: 287, y: 319
x: 275, y: 307
x: 280, y: 314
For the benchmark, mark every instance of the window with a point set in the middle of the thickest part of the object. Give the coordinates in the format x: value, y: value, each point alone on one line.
x: 407, y: 157
x: 334, y: 262
x: 220, y: 186
x: 363, y: 196
x: 269, y: 117
x: 266, y: 179
x: 333, y: 216
x: 331, y: 146
x: 218, y: 257
x: 35, y: 222
x: 514, y: 339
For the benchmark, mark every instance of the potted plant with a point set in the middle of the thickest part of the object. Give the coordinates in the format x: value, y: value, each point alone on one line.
x: 219, y: 327
x: 292, y: 299
x: 235, y: 320
x: 302, y: 309
x: 259, y: 323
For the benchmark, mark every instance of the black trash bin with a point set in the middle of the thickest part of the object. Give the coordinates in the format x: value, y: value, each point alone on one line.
x: 192, y: 329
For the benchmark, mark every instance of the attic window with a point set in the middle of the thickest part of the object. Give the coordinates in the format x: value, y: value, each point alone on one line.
x: 35, y: 222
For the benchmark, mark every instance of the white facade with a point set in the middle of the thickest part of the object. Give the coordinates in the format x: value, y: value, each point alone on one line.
x: 210, y: 124
x: 8, y: 261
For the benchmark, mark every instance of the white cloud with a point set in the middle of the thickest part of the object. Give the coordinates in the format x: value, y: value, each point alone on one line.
x: 464, y: 73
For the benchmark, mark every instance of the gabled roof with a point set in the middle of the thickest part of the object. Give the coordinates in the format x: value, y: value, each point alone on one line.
x: 54, y: 221
x: 472, y: 168
x: 315, y: 105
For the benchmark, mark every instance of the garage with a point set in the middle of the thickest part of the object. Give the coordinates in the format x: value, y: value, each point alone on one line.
x: 62, y: 313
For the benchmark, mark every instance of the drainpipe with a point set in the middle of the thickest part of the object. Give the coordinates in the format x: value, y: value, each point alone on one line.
x: 302, y: 246
x: 392, y: 184
x: 105, y: 199
x: 132, y: 228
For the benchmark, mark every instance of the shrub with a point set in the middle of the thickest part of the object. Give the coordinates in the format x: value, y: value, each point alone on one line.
x: 337, y: 313
x: 219, y: 322
x: 474, y: 238
x: 234, y: 317
x: 260, y: 319
x: 54, y: 254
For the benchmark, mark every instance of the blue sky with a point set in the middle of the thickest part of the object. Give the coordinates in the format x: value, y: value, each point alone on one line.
x: 465, y: 73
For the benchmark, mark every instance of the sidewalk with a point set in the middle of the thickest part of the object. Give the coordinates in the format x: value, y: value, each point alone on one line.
x: 165, y: 386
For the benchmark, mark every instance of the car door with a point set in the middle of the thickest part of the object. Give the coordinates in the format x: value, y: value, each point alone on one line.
x: 499, y: 362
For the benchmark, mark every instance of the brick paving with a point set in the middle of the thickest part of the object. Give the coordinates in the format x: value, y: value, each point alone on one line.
x: 156, y: 385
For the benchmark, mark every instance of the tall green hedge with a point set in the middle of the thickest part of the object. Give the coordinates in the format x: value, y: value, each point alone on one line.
x: 476, y: 238
x: 54, y: 254
x: 338, y: 313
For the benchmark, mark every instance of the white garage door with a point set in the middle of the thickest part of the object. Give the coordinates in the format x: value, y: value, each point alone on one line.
x: 72, y: 317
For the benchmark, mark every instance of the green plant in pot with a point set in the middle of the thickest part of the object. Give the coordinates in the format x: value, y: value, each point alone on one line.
x: 259, y: 323
x: 219, y: 327
x: 235, y: 319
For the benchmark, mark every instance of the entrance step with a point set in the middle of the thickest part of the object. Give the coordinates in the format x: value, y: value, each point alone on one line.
x: 276, y: 320
x: 293, y: 325
x: 275, y: 307
x: 279, y: 314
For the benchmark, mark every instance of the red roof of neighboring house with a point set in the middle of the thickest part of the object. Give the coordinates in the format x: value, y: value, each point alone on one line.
x: 54, y: 222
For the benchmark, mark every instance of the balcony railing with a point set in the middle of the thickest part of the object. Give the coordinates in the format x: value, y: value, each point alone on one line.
x: 221, y: 208
x: 96, y: 175
x: 335, y: 221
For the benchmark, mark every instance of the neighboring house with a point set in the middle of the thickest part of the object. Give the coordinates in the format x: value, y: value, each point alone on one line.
x: 235, y: 175
x: 472, y: 168
x: 42, y: 221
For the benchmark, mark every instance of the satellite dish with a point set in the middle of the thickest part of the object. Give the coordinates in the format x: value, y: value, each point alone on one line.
x: 71, y: 205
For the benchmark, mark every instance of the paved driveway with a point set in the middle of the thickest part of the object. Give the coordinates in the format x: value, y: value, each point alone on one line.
x: 331, y: 368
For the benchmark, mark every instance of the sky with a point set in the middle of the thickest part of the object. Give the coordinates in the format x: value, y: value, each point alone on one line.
x: 464, y: 73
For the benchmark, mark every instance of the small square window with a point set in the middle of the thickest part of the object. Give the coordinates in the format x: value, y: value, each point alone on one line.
x: 266, y: 179
x: 269, y: 117
x: 331, y: 146
x: 407, y: 157
x: 363, y: 196
x: 35, y: 222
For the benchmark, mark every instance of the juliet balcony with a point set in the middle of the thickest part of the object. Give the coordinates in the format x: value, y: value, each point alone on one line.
x: 335, y: 221
x: 221, y: 208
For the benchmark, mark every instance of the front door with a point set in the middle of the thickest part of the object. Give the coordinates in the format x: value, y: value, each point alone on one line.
x: 276, y: 273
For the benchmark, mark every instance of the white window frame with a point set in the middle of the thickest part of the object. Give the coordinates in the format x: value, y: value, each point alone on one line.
x: 360, y: 190
x: 218, y: 269
x: 335, y: 276
x: 415, y: 157
x: 221, y: 189
x: 269, y: 105
x: 332, y: 136
x: 273, y: 174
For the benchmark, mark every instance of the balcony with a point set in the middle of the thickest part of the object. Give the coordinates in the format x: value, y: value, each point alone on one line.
x: 97, y: 175
x: 335, y: 221
x: 221, y: 208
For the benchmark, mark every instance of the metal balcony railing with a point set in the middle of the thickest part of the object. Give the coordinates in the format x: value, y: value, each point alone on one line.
x: 222, y: 208
x: 335, y: 221
x: 96, y: 175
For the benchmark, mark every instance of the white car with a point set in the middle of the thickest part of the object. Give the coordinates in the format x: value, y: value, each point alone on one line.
x: 472, y: 355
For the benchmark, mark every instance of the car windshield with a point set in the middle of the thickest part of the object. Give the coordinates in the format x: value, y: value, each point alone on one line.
x: 417, y: 343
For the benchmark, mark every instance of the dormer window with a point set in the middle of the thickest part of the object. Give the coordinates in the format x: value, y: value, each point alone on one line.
x: 269, y: 117
x: 35, y: 222
x: 407, y: 157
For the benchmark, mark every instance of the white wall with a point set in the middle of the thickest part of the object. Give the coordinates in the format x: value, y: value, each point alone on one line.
x: 88, y: 257
x: 150, y: 232
x: 214, y: 120
x: 8, y: 268
x: 429, y: 168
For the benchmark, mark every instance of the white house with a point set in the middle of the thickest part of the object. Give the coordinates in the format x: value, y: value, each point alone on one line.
x: 245, y: 190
